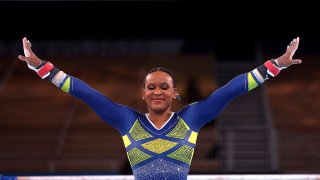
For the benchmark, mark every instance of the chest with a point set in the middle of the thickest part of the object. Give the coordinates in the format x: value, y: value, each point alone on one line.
x: 175, y: 141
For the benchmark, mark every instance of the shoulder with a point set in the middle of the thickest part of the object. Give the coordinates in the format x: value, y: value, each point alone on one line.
x: 187, y: 108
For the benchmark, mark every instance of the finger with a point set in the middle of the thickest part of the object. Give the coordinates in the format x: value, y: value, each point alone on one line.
x: 296, y: 61
x: 293, y: 46
x: 22, y: 58
x: 26, y: 43
x: 295, y: 43
x: 288, y: 48
x: 26, y: 47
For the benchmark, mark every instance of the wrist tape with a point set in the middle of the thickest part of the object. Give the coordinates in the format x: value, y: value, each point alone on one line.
x: 272, y: 69
x: 44, y: 69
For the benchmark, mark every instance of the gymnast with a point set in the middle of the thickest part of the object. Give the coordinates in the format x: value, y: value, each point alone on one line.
x: 160, y: 143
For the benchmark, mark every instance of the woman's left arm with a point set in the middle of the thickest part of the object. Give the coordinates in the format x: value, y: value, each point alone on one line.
x: 208, y: 109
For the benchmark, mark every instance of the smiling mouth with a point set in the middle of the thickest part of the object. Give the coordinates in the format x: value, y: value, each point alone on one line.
x: 157, y: 100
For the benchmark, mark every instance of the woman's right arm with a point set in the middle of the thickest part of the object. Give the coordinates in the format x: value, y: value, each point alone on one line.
x: 112, y: 113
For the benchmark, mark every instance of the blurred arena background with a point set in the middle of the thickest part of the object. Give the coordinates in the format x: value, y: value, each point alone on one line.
x: 274, y: 129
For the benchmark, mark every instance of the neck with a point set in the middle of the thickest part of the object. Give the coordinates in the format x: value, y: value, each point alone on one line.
x: 159, y: 119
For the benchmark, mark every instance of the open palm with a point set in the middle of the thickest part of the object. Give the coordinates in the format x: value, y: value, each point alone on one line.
x: 286, y: 59
x: 29, y: 56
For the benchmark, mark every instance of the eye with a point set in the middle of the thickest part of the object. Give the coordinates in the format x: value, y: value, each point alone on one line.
x: 164, y: 86
x: 151, y: 87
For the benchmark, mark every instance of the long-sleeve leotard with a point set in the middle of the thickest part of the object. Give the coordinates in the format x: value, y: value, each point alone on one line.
x: 164, y: 153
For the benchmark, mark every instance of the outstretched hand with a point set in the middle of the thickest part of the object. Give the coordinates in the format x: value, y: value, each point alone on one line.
x: 286, y: 59
x: 29, y: 56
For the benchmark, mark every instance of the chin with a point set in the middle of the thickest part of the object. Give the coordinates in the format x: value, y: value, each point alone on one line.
x: 158, y: 109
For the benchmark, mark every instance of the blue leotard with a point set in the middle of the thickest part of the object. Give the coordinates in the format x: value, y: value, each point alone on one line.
x: 164, y: 153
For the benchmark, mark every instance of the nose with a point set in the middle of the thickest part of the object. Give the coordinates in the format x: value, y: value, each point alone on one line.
x: 157, y: 91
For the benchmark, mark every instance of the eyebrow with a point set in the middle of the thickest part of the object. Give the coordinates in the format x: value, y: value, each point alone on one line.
x: 161, y: 84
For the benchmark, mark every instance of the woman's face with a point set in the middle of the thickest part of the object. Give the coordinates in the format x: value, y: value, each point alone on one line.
x: 158, y: 91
